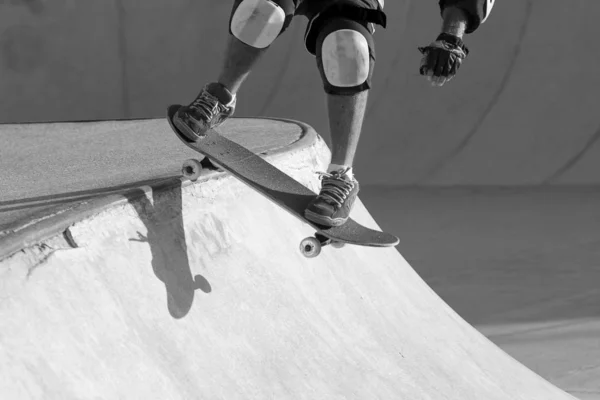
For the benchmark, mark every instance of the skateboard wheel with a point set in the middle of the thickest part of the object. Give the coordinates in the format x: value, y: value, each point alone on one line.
x: 310, y: 247
x: 192, y: 169
x: 337, y: 245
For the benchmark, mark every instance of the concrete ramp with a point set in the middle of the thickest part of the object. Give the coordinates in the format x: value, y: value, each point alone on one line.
x: 199, y: 291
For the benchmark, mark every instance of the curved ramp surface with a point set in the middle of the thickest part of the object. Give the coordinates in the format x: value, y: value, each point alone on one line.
x: 199, y: 291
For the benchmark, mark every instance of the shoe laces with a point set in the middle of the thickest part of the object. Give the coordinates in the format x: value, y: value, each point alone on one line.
x: 335, y: 188
x: 207, y: 104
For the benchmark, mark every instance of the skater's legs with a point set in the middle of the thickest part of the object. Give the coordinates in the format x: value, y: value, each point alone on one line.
x: 341, y: 39
x: 346, y: 115
x: 254, y: 25
x: 346, y: 61
x: 238, y: 63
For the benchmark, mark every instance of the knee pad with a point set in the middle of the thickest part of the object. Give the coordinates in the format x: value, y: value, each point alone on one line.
x: 258, y: 23
x: 367, y: 13
x: 345, y: 57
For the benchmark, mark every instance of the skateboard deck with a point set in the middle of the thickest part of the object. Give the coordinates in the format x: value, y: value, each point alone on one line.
x: 278, y: 187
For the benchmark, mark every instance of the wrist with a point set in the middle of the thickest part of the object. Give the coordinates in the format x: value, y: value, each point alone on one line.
x: 455, y: 21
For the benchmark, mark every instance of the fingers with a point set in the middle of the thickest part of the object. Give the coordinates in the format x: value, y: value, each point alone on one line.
x: 441, y: 61
x: 436, y: 80
x: 441, y: 72
x: 436, y: 68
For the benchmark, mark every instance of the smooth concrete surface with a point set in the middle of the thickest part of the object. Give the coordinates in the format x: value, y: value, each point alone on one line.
x: 56, y: 164
x: 519, y: 264
x: 523, y: 109
x: 201, y: 292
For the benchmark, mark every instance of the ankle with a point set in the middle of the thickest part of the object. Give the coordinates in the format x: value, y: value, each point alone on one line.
x: 340, y: 167
x: 221, y: 92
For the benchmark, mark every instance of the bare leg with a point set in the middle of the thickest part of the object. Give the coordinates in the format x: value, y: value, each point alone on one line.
x: 239, y: 60
x: 338, y: 192
x: 346, y: 114
x: 217, y: 100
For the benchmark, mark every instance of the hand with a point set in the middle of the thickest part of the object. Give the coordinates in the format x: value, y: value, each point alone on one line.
x: 442, y: 59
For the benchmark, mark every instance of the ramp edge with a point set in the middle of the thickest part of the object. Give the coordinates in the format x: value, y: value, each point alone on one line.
x: 56, y: 221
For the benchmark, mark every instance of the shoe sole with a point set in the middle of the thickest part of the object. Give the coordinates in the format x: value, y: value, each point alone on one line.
x: 323, y: 220
x: 185, y: 130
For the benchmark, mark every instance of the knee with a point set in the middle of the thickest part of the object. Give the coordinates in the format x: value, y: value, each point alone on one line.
x: 345, y: 57
x: 258, y: 23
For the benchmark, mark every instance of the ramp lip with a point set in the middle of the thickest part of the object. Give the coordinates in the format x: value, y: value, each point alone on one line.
x: 55, y: 220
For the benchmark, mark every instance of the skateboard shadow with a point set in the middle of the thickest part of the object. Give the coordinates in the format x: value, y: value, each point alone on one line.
x: 166, y: 238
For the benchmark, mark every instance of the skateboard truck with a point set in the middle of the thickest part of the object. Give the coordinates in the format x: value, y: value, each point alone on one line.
x: 311, y: 246
x: 193, y: 168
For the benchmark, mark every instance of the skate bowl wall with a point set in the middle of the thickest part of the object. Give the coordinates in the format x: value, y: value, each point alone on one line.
x: 522, y: 111
x: 199, y: 291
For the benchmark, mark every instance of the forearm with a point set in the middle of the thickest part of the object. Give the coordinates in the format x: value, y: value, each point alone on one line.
x: 454, y: 21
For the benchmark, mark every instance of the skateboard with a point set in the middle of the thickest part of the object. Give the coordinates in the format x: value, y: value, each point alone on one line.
x: 218, y: 152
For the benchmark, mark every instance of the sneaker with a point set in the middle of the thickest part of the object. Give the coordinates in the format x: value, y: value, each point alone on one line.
x: 206, y: 112
x: 333, y: 204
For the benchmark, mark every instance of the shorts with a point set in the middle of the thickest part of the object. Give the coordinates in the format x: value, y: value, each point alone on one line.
x: 312, y: 8
x: 318, y: 12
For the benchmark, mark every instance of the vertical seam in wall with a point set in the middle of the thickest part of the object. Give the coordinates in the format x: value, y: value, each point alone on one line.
x: 122, y: 49
x: 575, y: 159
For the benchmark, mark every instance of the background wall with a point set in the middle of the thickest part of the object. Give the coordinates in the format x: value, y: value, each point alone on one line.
x: 523, y: 110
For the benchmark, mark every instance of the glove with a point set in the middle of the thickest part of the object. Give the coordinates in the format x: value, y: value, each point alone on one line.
x: 442, y: 58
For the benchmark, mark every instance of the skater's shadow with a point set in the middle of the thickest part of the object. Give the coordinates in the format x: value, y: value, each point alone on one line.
x: 166, y: 237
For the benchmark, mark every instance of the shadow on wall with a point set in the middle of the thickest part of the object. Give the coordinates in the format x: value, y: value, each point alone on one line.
x: 166, y: 238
